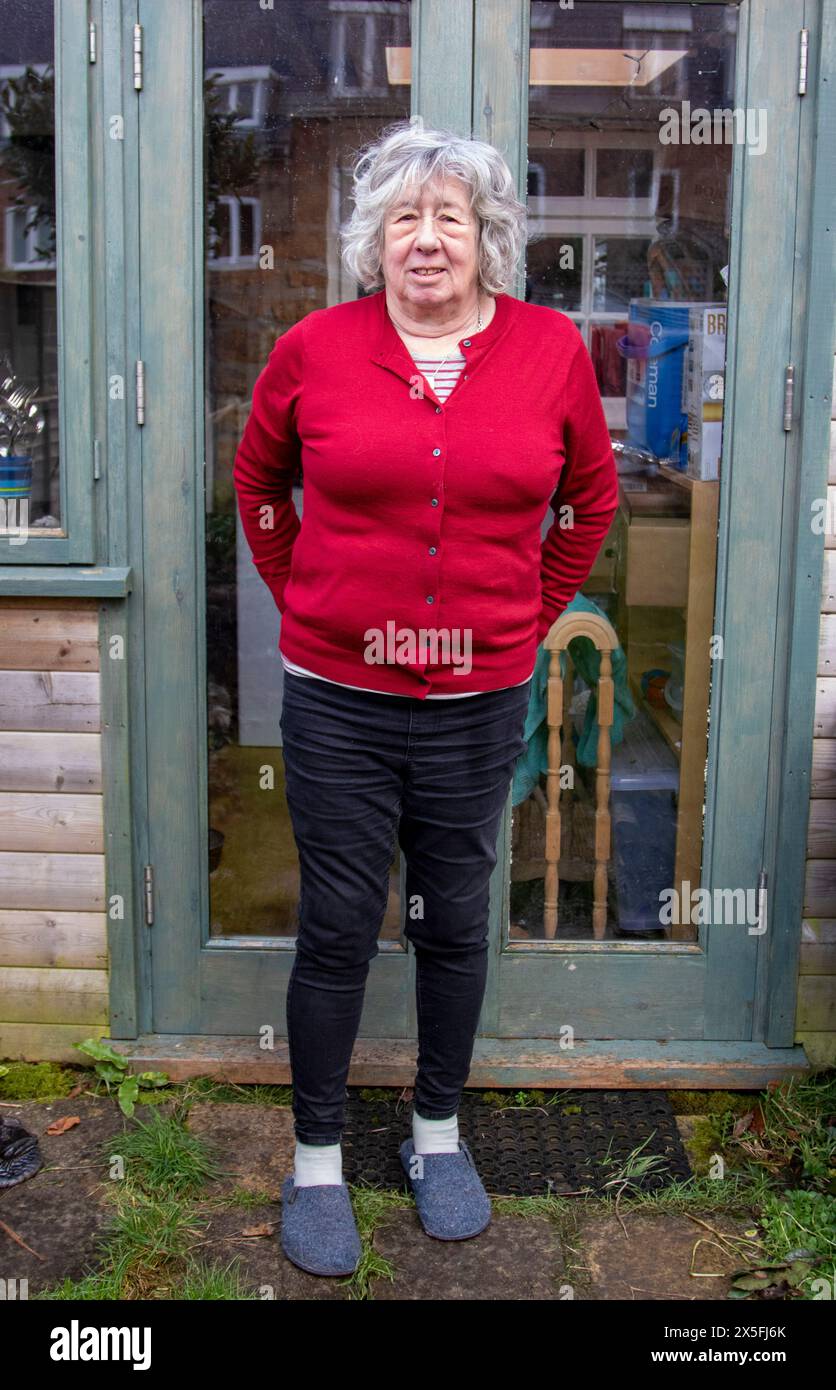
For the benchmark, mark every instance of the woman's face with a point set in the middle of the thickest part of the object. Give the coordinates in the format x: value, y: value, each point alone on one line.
x: 430, y: 249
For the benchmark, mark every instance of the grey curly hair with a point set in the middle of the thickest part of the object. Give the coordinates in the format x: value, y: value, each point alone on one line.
x: 408, y: 155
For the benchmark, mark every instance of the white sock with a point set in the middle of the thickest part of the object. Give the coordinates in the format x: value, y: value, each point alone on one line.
x: 318, y: 1164
x: 435, y: 1136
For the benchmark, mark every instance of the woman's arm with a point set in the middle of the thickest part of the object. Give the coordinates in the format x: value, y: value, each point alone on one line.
x: 266, y: 460
x: 586, y: 498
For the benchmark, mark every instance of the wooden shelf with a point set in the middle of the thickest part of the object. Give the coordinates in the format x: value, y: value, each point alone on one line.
x: 684, y: 480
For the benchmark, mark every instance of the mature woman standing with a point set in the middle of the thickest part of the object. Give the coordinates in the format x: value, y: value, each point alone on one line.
x: 435, y: 418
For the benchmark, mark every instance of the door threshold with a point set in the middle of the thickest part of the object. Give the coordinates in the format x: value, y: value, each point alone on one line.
x: 498, y: 1063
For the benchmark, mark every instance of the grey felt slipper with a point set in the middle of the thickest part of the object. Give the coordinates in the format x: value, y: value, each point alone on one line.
x: 319, y: 1233
x: 451, y: 1201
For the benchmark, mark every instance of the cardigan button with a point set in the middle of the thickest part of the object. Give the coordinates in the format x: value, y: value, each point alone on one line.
x: 466, y: 343
x: 430, y: 598
x: 436, y: 453
x: 432, y: 550
x: 438, y: 410
x: 434, y: 502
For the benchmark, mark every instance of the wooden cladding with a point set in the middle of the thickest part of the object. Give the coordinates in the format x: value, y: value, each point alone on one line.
x: 53, y: 924
x: 38, y: 635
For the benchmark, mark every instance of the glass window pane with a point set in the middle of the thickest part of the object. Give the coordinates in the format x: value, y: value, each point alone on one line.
x: 554, y: 272
x: 30, y: 492
x: 244, y: 100
x: 291, y: 92
x: 651, y: 295
x: 620, y: 272
x: 221, y: 230
x: 556, y: 173
x: 623, y: 173
x: 246, y: 216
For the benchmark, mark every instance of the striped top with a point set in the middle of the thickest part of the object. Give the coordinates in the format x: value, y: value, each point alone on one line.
x: 442, y: 379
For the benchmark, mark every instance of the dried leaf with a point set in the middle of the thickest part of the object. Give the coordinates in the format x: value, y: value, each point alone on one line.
x: 758, y: 1122
x: 61, y: 1126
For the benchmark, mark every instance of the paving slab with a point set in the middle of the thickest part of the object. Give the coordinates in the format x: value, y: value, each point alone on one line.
x: 255, y: 1144
x: 249, y: 1237
x: 517, y: 1257
x: 60, y: 1210
x: 653, y: 1258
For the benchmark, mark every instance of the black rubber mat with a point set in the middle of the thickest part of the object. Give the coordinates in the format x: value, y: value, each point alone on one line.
x: 560, y: 1147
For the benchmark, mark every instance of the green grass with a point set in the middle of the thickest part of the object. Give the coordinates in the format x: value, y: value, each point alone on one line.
x: 149, y: 1241
x: 244, y: 1197
x: 161, y: 1156
x: 213, y: 1282
x: 226, y: 1092
x: 799, y: 1220
x: 372, y: 1208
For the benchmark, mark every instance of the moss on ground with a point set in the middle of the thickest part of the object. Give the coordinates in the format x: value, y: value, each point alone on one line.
x: 711, y: 1102
x: 39, y: 1080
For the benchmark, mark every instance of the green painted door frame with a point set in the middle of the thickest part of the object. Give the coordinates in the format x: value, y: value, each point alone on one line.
x: 727, y: 986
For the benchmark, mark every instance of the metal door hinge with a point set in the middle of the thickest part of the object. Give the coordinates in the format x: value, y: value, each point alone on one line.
x: 802, y: 62
x: 789, y: 395
x: 761, y: 915
x: 92, y: 40
x: 149, y: 895
x: 137, y: 56
x: 97, y: 459
x: 140, y: 392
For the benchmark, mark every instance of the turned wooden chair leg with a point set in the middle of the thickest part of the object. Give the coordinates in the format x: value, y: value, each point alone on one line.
x: 603, y: 766
x: 554, y: 719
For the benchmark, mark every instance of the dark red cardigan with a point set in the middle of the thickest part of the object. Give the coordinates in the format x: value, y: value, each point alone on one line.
x: 418, y: 513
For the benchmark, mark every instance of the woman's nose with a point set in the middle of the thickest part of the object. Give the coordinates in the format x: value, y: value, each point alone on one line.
x: 426, y: 235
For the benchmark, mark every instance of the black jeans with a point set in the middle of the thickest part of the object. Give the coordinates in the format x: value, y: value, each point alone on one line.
x: 359, y: 767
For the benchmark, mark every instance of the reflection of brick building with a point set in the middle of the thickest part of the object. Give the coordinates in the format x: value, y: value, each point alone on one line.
x: 305, y: 118
x: 28, y: 298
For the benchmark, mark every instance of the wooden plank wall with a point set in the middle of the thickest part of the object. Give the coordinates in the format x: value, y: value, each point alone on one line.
x: 816, y: 1015
x: 53, y: 933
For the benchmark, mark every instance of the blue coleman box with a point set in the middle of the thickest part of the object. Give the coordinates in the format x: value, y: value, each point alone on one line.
x: 654, y: 346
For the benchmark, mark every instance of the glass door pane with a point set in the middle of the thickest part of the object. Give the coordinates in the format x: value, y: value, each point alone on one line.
x: 291, y: 92
x: 630, y: 138
x: 30, y: 481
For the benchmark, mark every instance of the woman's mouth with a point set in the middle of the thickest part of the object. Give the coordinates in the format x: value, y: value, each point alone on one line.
x: 428, y: 272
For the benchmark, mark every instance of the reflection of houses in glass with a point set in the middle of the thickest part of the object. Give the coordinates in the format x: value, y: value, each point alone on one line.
x: 298, y: 89
x: 28, y: 302
x: 614, y: 213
